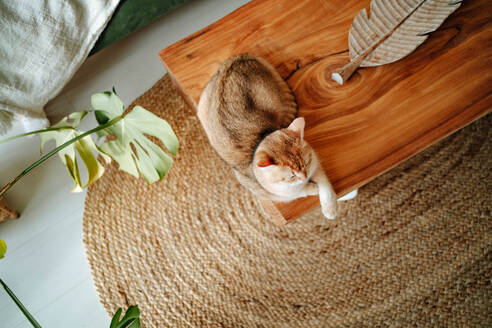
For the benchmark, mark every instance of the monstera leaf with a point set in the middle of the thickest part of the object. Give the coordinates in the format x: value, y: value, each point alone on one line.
x: 393, y: 30
x: 131, y: 319
x: 3, y: 249
x: 64, y: 131
x: 129, y: 143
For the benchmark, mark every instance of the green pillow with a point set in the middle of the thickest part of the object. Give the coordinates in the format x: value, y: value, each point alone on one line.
x: 129, y: 16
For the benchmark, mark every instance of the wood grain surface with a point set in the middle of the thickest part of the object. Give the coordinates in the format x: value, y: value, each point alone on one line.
x: 382, y: 115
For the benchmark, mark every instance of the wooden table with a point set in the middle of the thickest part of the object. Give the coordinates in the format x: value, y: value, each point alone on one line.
x: 382, y: 115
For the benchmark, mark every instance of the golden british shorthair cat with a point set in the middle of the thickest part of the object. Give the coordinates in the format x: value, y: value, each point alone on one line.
x: 249, y: 115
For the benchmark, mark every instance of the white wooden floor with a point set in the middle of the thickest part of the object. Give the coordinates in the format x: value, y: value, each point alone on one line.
x: 45, y: 264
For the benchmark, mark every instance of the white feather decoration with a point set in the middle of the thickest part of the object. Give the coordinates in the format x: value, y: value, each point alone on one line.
x: 394, y: 29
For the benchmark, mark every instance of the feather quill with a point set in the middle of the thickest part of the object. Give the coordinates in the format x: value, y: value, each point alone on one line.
x: 394, y: 29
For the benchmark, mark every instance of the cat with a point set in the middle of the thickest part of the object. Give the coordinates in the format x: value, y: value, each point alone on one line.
x: 249, y: 115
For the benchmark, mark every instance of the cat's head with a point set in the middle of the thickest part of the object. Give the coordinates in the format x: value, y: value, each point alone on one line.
x: 283, y: 156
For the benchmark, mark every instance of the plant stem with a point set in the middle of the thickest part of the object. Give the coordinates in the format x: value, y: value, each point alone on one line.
x: 56, y: 150
x: 29, y: 317
x: 36, y: 132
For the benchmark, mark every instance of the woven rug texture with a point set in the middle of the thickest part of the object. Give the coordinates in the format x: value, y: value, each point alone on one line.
x: 197, y: 250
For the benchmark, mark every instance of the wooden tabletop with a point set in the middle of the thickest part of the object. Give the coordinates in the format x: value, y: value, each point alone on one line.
x: 382, y: 115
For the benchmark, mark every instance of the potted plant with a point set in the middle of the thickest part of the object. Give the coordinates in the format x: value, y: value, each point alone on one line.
x: 120, y: 136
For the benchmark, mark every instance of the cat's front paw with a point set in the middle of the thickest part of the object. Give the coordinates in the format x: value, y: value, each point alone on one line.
x: 329, y: 209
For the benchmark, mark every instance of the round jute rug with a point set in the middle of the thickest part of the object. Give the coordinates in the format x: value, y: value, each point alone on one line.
x: 197, y: 250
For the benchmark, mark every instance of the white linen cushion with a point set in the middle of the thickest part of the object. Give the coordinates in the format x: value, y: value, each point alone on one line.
x: 42, y: 44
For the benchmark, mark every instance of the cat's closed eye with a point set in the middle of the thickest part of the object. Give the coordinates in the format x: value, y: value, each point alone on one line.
x: 307, y: 158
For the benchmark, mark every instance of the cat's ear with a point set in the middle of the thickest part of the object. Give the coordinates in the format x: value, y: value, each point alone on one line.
x: 297, y: 126
x: 262, y: 159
